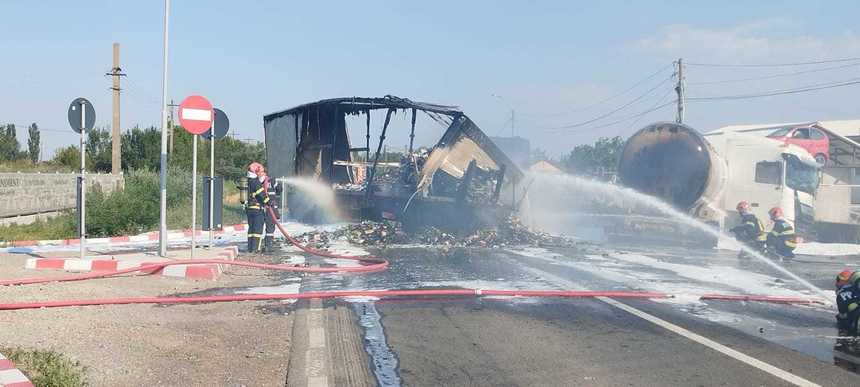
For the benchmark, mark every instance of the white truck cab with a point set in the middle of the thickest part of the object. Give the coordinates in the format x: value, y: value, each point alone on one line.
x: 766, y: 174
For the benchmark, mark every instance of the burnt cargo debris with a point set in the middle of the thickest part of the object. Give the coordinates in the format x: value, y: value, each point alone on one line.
x: 509, y: 232
x: 462, y: 183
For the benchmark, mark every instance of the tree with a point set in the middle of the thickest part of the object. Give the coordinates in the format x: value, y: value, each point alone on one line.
x: 141, y: 149
x: 595, y: 159
x: 99, y: 150
x: 69, y: 156
x: 9, y: 146
x: 33, y: 143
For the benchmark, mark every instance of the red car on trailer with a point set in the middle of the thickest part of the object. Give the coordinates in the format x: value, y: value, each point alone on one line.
x: 811, y: 138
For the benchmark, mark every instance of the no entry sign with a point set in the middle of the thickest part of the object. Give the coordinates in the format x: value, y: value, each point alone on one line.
x: 195, y: 114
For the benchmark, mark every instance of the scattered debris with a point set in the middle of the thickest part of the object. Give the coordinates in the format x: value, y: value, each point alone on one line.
x: 510, y: 233
x: 373, y: 233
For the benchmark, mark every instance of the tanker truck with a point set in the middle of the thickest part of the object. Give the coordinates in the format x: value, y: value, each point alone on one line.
x: 706, y: 176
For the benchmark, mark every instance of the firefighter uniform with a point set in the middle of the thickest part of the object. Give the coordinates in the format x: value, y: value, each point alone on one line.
x: 782, y: 239
x: 750, y: 231
x: 255, y: 208
x: 848, y: 302
x: 273, y: 190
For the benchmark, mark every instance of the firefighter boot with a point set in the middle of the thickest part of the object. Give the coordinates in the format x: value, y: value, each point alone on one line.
x: 251, y: 245
x: 269, y: 242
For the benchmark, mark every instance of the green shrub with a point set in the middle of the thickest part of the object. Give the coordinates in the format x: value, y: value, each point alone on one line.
x: 136, y: 208
x: 47, y: 368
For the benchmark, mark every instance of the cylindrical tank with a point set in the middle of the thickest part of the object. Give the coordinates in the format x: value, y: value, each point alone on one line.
x: 676, y: 164
x: 242, y: 185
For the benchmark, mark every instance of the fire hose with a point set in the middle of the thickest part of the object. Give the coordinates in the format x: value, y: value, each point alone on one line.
x: 369, y: 263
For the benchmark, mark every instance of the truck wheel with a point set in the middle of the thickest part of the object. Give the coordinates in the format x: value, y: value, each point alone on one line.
x: 820, y: 159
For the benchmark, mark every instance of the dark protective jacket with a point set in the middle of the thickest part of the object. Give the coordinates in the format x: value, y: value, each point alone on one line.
x: 782, y: 238
x: 751, y: 229
x: 274, y: 189
x: 257, y: 195
x: 848, y: 303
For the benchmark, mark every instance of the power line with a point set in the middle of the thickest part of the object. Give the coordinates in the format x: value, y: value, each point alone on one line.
x: 607, y: 99
x: 803, y: 89
x: 611, y: 112
x: 656, y: 106
x: 854, y: 59
x: 637, y: 115
x: 775, y: 75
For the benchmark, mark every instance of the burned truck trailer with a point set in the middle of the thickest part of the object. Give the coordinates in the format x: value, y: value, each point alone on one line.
x: 463, y: 182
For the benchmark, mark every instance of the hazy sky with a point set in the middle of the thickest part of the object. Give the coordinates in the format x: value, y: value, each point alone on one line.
x: 547, y: 60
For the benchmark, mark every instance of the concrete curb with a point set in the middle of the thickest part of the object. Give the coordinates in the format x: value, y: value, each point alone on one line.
x: 11, y: 376
x: 191, y: 271
x: 145, y: 237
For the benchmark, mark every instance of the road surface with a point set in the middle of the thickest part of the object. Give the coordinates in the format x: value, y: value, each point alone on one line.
x: 521, y: 342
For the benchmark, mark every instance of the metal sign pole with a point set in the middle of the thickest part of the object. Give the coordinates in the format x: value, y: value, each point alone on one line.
x: 83, y: 230
x: 193, y: 195
x: 162, y: 218
x: 212, y: 183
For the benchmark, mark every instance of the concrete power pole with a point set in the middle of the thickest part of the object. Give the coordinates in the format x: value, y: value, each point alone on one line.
x: 170, y: 122
x: 679, y: 89
x: 116, y: 136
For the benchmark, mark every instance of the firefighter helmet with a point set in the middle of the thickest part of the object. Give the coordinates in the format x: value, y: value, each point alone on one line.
x: 256, y: 168
x: 845, y: 277
x: 775, y: 213
x: 743, y: 206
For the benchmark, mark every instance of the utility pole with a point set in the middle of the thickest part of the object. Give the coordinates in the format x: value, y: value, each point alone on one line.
x: 679, y: 89
x: 170, y: 122
x: 512, y: 123
x: 116, y: 136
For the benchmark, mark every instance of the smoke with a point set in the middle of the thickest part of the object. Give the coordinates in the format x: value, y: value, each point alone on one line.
x: 316, y: 201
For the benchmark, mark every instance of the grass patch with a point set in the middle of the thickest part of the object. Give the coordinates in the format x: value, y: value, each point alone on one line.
x: 62, y: 226
x: 47, y: 368
x: 27, y: 166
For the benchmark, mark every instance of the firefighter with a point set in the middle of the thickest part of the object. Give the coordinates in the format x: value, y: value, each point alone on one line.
x: 848, y: 301
x: 273, y: 190
x: 782, y: 240
x: 255, y: 206
x: 751, y: 231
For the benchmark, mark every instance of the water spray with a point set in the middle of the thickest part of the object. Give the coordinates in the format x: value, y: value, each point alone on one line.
x: 574, y: 183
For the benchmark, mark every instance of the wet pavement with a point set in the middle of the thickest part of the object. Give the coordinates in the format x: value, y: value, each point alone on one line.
x: 505, y: 341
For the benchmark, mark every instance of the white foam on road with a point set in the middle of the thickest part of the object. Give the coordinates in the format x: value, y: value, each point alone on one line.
x: 343, y: 247
x: 686, y: 281
x: 484, y: 284
x: 744, y: 280
x: 827, y: 249
x: 290, y: 287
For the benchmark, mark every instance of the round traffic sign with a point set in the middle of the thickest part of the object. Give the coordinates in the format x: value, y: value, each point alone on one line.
x: 222, y: 125
x: 195, y: 114
x: 82, y: 115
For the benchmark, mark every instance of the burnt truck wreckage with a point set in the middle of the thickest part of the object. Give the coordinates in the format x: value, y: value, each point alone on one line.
x: 462, y: 183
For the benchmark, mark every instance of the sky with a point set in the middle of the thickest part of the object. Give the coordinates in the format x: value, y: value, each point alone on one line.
x: 553, y: 63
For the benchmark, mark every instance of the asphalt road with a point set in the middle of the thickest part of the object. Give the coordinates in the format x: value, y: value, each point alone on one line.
x: 591, y: 341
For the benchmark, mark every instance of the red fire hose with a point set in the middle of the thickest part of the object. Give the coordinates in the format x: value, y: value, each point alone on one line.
x: 369, y: 264
x: 329, y: 294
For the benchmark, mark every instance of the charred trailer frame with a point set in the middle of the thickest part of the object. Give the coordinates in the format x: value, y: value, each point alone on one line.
x: 457, y: 187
